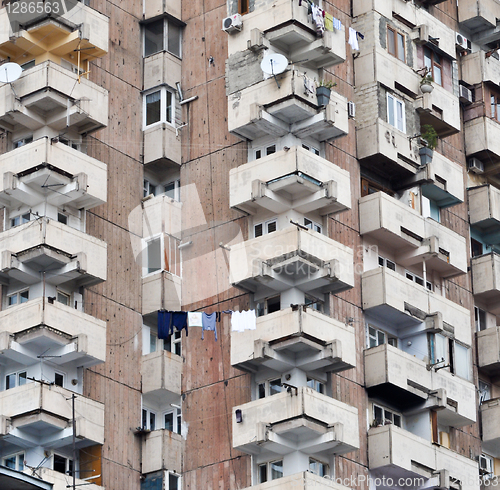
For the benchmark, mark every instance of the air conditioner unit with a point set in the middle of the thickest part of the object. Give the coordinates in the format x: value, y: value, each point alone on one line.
x: 485, y: 465
x: 465, y: 95
x: 461, y: 41
x: 422, y: 34
x: 351, y: 109
x: 475, y: 165
x: 232, y: 23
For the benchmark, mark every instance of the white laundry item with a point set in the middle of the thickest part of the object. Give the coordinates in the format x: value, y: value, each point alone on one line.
x: 317, y: 16
x: 195, y: 319
x: 353, y: 39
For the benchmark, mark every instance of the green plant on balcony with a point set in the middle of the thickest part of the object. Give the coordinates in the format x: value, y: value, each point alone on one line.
x: 426, y: 84
x: 429, y: 138
x: 323, y: 92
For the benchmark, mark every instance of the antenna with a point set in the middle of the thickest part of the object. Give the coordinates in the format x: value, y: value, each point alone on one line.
x: 10, y: 72
x: 274, y: 64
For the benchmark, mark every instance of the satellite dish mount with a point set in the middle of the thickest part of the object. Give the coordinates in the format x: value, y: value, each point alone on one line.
x: 274, y: 64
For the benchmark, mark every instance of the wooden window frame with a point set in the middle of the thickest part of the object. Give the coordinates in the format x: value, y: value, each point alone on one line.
x: 243, y: 6
x: 434, y: 64
x: 394, y: 33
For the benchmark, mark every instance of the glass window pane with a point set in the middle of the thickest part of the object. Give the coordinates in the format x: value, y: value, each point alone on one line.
x: 400, y: 115
x: 262, y: 473
x: 152, y: 343
x: 13, y: 300
x: 493, y: 105
x: 173, y: 482
x: 153, y: 108
x: 380, y: 338
x: 144, y: 418
x: 390, y: 111
x: 462, y: 361
x: 391, y: 265
x: 152, y: 421
x: 270, y: 150
x: 401, y: 47
x: 275, y: 386
x: 261, y: 390
x: 10, y: 381
x: 20, y: 462
x: 391, y: 44
x: 153, y: 37
x: 169, y: 113
x: 437, y: 75
x: 59, y: 464
x: 271, y: 226
x: 154, y: 255
x: 169, y: 421
x: 397, y: 420
x: 174, y: 39
x: 21, y: 379
x: 378, y: 414
x: 24, y: 296
x: 170, y: 190
x: 258, y: 230
x: 10, y: 462
x: 276, y: 469
x: 428, y: 58
x: 58, y: 379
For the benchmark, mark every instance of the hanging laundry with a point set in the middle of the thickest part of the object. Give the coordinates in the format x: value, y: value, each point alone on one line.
x: 337, y: 24
x: 317, y: 17
x: 243, y: 320
x: 179, y: 321
x: 194, y: 319
x: 309, y: 85
x: 164, y: 322
x: 250, y: 322
x: 329, y: 22
x: 208, y: 323
x: 353, y: 39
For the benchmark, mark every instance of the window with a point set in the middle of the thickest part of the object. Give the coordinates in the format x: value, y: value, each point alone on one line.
x: 63, y: 464
x: 369, y: 187
x: 268, y: 150
x: 375, y: 337
x: 310, y: 148
x: 312, y: 225
x: 28, y: 65
x: 268, y: 305
x: 22, y: 142
x: 486, y: 465
x: 62, y: 218
x: 396, y: 44
x: 383, y: 262
x: 445, y: 352
x: 173, y: 343
x: 172, y: 190
x: 63, y: 298
x: 153, y: 254
x: 162, y: 35
x: 495, y: 107
x: 243, y: 6
x: 14, y: 462
x: 413, y: 277
x: 316, y: 385
x: 19, y: 220
x: 266, y: 227
x: 317, y: 467
x: 159, y: 107
x: 383, y: 416
x: 270, y: 471
x: 59, y: 379
x: 148, y: 419
x: 18, y: 298
x: 480, y: 319
x: 149, y: 188
x: 484, y: 391
x: 461, y: 364
x: 476, y: 247
x: 15, y: 379
x: 396, y: 113
x: 172, y: 420
x: 153, y: 340
x: 314, y: 304
x: 433, y: 62
x: 269, y: 388
x: 174, y: 482
x: 430, y: 209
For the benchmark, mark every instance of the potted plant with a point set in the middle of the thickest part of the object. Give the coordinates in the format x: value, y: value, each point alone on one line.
x: 429, y: 138
x: 323, y: 92
x: 426, y: 84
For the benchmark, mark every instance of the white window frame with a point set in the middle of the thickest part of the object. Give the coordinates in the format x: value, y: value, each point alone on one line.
x: 146, y: 267
x: 60, y: 373
x: 394, y: 102
x: 388, y: 415
x: 178, y: 481
x: 484, y: 390
x: 176, y: 419
x: 22, y: 141
x: 314, y: 304
x: 148, y: 412
x: 21, y: 218
x: 18, y: 297
x: 166, y: 24
x: 19, y: 463
x: 149, y: 188
x: 320, y: 464
x: 411, y: 276
x: 67, y: 463
x: 312, y: 149
x: 265, y: 150
x: 177, y: 189
x: 266, y: 385
x: 312, y: 225
x: 65, y: 295
x: 486, y: 466
x: 174, y: 343
x: 268, y: 470
x: 264, y: 309
x: 265, y: 227
x: 383, y: 262
x: 479, y: 322
x: 17, y: 375
x: 375, y: 336
x: 316, y: 385
x: 163, y: 107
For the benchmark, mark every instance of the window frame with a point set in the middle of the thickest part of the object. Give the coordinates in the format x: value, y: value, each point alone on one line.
x: 384, y: 419
x: 165, y: 38
x: 395, y: 34
x: 266, y: 386
x: 164, y: 91
x: 264, y: 309
x: 177, y: 477
x: 176, y: 419
x: 23, y: 218
x: 386, y: 262
x: 17, y: 378
x: 325, y: 466
x: 312, y: 149
x: 479, y: 319
x: 316, y: 384
x: 69, y: 464
x: 19, y: 298
x: 394, y: 103
x: 18, y: 465
x: 313, y: 225
x: 419, y: 280
x: 176, y: 189
x: 243, y: 7
x: 265, y: 227
x: 433, y: 65
x: 150, y: 416
x: 268, y: 467
x: 271, y: 149
x: 147, y: 268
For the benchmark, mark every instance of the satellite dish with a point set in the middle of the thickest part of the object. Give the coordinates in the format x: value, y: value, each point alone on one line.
x: 274, y: 64
x: 10, y: 72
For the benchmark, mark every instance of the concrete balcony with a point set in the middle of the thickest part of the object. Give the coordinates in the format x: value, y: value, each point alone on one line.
x: 39, y: 414
x: 161, y: 291
x: 476, y: 68
x: 391, y: 297
x: 488, y: 350
x: 289, y: 258
x: 161, y: 376
x: 392, y: 374
x: 300, y: 481
x: 284, y: 25
x: 45, y: 244
x: 484, y: 212
x: 478, y: 15
x: 440, y: 109
x: 161, y: 214
x: 412, y: 237
x: 49, y: 95
x: 30, y: 174
x: 161, y: 68
x: 80, y: 28
x: 385, y: 147
x: 29, y: 329
x: 154, y: 8
x: 397, y: 453
x: 264, y: 109
x: 295, y: 338
x: 162, y: 450
x: 440, y: 180
x: 486, y: 281
x: 60, y: 481
x: 482, y: 140
x: 294, y: 179
x: 303, y: 420
x: 490, y: 417
x: 162, y: 147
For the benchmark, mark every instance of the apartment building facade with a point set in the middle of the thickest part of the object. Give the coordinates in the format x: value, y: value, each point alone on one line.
x: 166, y: 156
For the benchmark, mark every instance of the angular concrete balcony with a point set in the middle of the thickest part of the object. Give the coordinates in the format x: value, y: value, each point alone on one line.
x: 488, y: 350
x: 161, y: 214
x: 300, y: 481
x: 397, y: 453
x: 264, y: 109
x: 161, y: 68
x: 292, y: 257
x: 49, y: 95
x: 392, y: 374
x: 482, y: 140
x: 295, y: 338
x: 476, y: 68
x: 412, y: 237
x: 386, y: 148
x: 154, y: 8
x: 32, y: 172
x: 490, y: 417
x: 162, y: 146
x: 162, y: 450
x: 161, y: 291
x: 80, y: 28
x: 440, y: 109
x: 286, y: 26
x: 45, y: 244
x: 486, y: 281
x: 161, y: 376
x: 29, y: 329
x: 302, y: 420
x: 293, y: 179
x: 441, y: 180
x: 484, y: 212
x: 39, y: 414
x: 60, y: 480
x: 478, y: 15
x: 391, y: 297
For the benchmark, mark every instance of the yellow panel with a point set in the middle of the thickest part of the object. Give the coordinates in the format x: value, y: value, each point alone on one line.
x: 91, y: 463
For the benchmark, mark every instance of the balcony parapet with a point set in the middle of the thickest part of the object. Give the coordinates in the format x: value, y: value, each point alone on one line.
x: 490, y: 418
x: 161, y: 374
x: 162, y: 450
x: 488, y: 350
